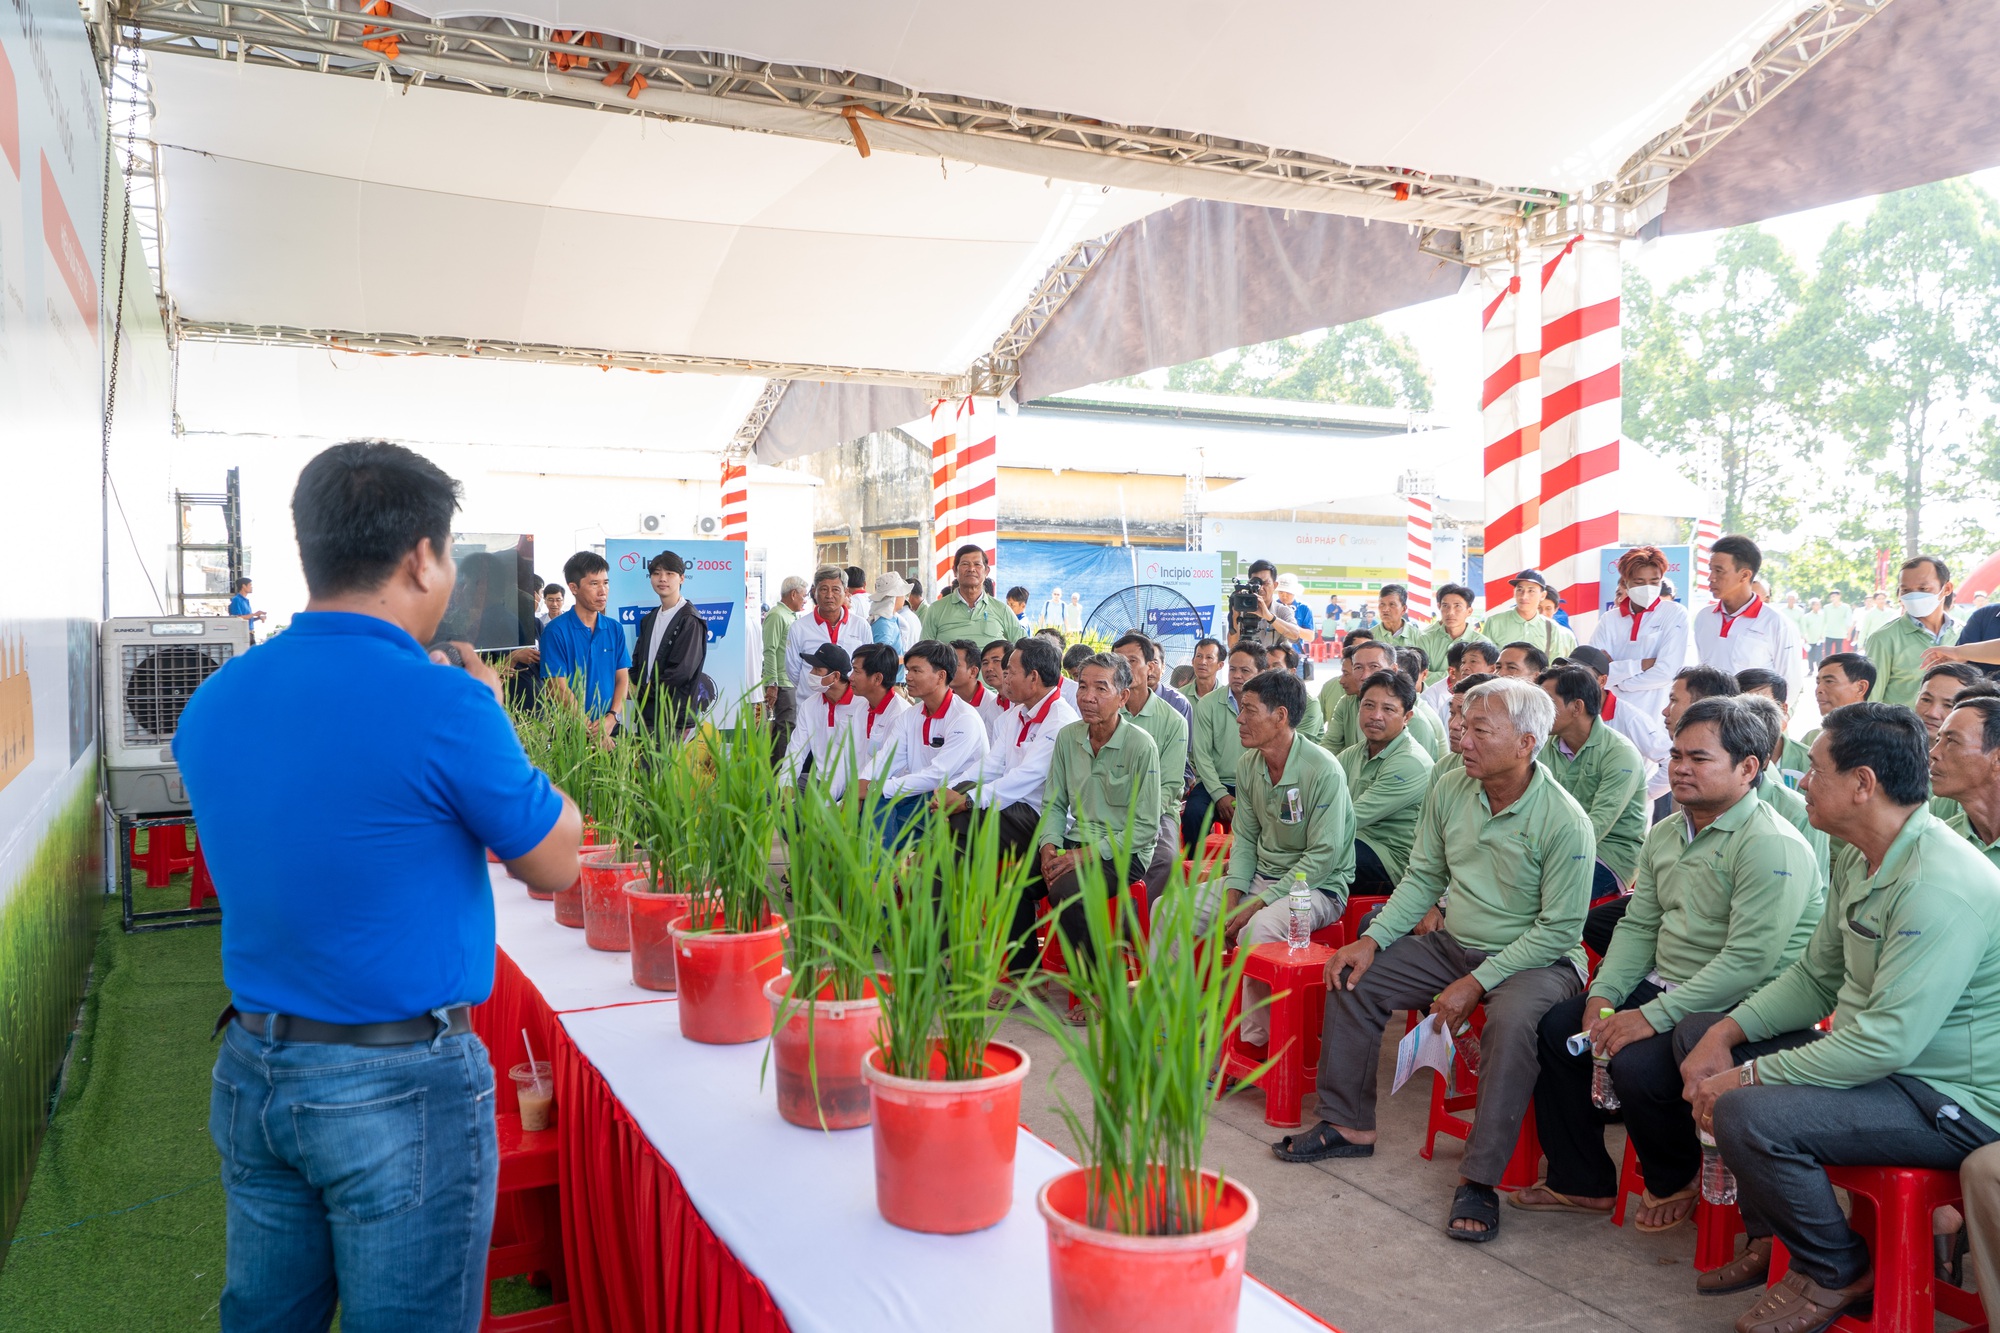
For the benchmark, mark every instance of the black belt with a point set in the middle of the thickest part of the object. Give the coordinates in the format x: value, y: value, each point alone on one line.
x: 402, y: 1032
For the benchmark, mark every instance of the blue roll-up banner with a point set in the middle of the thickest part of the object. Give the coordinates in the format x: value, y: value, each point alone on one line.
x: 717, y: 583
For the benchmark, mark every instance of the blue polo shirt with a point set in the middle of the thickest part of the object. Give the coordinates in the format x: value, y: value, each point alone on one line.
x: 239, y: 605
x: 599, y: 653
x: 347, y: 844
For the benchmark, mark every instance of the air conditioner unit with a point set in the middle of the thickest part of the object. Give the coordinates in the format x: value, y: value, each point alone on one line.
x: 151, y: 669
x: 653, y: 525
x: 708, y: 525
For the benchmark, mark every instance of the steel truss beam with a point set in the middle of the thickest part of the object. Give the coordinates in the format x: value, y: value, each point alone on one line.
x: 746, y: 435
x: 507, y: 58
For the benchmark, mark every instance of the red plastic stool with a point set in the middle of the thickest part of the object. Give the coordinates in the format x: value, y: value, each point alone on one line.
x: 203, y: 887
x: 1357, y: 908
x: 166, y: 854
x: 1052, y: 958
x: 1525, y: 1167
x: 1892, y: 1211
x: 527, y: 1228
x: 1297, y: 979
x: 1716, y: 1226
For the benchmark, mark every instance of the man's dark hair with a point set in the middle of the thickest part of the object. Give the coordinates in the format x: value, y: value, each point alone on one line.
x: 1397, y: 591
x: 1962, y: 672
x: 1288, y: 653
x: 1454, y: 656
x: 1771, y: 727
x: 1255, y: 654
x: 1476, y: 678
x: 1279, y: 689
x: 1352, y: 637
x: 1038, y: 659
x: 969, y: 548
x: 1262, y: 567
x: 1458, y: 590
x: 1075, y: 656
x: 548, y: 588
x: 1001, y: 644
x: 1746, y: 730
x: 582, y: 565
x: 1707, y: 682
x: 1378, y: 647
x: 1887, y: 738
x: 857, y: 579
x: 667, y: 562
x: 1054, y: 637
x: 1413, y: 662
x: 877, y: 659
x: 1396, y: 683
x: 1017, y: 594
x: 1149, y: 652
x: 1538, y: 661
x: 238, y: 585
x: 968, y: 650
x: 1985, y: 701
x: 1762, y: 678
x: 1575, y: 685
x: 1938, y: 566
x: 1740, y: 549
x: 1214, y: 643
x: 942, y: 656
x: 1854, y: 666
x: 360, y: 507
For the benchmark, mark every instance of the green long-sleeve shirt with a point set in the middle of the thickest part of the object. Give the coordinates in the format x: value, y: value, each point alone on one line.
x: 1170, y: 737
x: 1791, y: 807
x: 1608, y: 779
x: 949, y: 618
x: 1908, y: 962
x: 1954, y: 817
x: 1388, y: 790
x: 1719, y: 912
x: 1428, y: 728
x: 1436, y: 641
x: 1313, y: 724
x: 1897, y: 650
x: 1404, y: 636
x: 1448, y: 763
x: 1105, y: 792
x: 1303, y: 821
x: 777, y: 627
x: 1215, y: 743
x: 1342, y: 714
x: 1519, y: 880
x: 1505, y: 626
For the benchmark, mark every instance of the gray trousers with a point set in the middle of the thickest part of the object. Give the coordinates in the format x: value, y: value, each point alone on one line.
x: 1165, y: 849
x: 1779, y: 1138
x: 1408, y: 975
x: 784, y: 716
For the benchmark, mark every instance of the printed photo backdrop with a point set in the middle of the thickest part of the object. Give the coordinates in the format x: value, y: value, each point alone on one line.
x: 718, y: 586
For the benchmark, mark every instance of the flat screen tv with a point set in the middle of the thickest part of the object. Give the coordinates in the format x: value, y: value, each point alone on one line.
x: 494, y: 602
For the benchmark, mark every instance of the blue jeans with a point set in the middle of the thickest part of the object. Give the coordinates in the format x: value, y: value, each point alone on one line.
x: 363, y: 1174
x: 897, y: 816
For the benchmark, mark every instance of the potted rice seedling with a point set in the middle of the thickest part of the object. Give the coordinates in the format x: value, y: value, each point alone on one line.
x: 826, y: 1011
x: 611, y: 780
x: 731, y: 941
x: 670, y: 782
x: 946, y: 1095
x: 1141, y: 1236
x: 557, y: 742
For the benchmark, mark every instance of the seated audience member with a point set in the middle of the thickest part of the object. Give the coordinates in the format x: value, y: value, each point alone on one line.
x: 1284, y: 657
x: 1454, y: 727
x: 1102, y: 798
x: 886, y: 609
x: 1452, y: 627
x: 1157, y: 678
x: 1907, y: 960
x: 857, y: 591
x: 1361, y: 661
x: 1842, y: 679
x: 1388, y: 775
x: 1899, y: 647
x: 969, y: 684
x: 1468, y: 656
x: 1149, y: 709
x: 1514, y: 851
x: 1293, y: 817
x: 1724, y: 898
x: 1770, y: 685
x: 1696, y: 682
x: 1057, y: 639
x: 1015, y: 774
x: 1521, y: 661
x: 943, y: 742
x: 876, y: 670
x: 1607, y: 777
x: 1073, y: 660
x: 1531, y: 620
x: 1209, y: 655
x: 1939, y: 690
x: 830, y: 743
x: 832, y: 620
x: 1965, y: 770
x: 1216, y: 749
x: 1645, y: 634
x: 1644, y: 727
x: 1787, y: 804
x: 1183, y: 680
x: 993, y: 672
x: 1425, y: 723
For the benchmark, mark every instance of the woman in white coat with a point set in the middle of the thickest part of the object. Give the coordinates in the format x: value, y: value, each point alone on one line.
x: 1645, y: 633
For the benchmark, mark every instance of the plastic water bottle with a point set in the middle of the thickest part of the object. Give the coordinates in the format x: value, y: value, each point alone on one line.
x: 1299, y: 924
x: 1466, y: 1042
x: 1602, y: 1095
x: 1718, y: 1182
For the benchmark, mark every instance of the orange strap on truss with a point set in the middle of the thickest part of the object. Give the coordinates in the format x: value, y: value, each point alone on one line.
x: 564, y: 61
x: 389, y: 45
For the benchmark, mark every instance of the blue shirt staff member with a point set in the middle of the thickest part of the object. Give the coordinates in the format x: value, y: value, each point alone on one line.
x: 239, y: 605
x: 583, y: 640
x: 351, y: 1103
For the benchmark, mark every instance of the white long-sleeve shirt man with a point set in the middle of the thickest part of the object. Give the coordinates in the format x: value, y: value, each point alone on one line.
x: 988, y: 704
x: 882, y: 732
x: 832, y: 733
x: 1017, y: 767
x: 1647, y: 730
x: 807, y: 633
x: 1755, y: 636
x: 934, y: 751
x: 1630, y: 635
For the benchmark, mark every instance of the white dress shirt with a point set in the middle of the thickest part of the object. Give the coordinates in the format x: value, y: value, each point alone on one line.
x: 881, y: 733
x: 807, y: 633
x: 1629, y: 636
x: 832, y: 734
x: 986, y: 703
x: 912, y: 623
x: 1438, y: 697
x: 1647, y: 730
x: 935, y: 752
x: 1068, y: 688
x: 1756, y: 636
x: 1017, y: 767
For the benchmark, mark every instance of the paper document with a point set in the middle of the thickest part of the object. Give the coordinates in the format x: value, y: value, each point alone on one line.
x: 1428, y: 1045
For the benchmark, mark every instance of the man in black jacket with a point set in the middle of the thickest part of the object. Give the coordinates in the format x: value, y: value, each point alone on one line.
x: 672, y: 648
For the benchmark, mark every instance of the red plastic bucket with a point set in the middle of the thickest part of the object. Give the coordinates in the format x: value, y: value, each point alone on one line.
x: 604, y: 922
x: 721, y: 976
x: 1105, y: 1282
x: 828, y: 1053
x: 652, y: 943
x: 569, y: 904
x: 944, y: 1151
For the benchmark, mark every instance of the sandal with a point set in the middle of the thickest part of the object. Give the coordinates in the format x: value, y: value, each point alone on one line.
x: 1559, y: 1202
x: 1748, y: 1269
x: 1474, y: 1203
x: 1648, y: 1199
x: 1317, y: 1144
x: 1796, y: 1304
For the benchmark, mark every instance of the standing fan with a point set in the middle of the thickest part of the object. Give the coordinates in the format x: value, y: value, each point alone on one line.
x: 1157, y: 611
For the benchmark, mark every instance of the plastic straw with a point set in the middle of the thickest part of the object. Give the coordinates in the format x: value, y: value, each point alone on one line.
x: 534, y: 1067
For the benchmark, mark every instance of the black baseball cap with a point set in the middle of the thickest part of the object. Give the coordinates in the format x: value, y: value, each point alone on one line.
x: 1530, y: 576
x: 1596, y: 659
x: 831, y: 657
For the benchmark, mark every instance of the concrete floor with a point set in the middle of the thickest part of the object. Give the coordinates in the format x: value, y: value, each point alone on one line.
x: 1361, y: 1242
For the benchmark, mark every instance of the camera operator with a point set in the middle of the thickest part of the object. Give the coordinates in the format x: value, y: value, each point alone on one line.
x: 1271, y: 618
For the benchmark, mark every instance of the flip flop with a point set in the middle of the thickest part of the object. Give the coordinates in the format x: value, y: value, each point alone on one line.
x: 1678, y: 1196
x: 1317, y: 1144
x: 1563, y: 1204
x: 1474, y: 1203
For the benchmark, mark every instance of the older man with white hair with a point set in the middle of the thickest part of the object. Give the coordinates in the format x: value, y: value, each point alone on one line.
x: 1514, y: 852
x: 780, y: 695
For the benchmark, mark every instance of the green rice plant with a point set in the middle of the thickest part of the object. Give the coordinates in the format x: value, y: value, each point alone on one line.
x: 836, y: 921
x: 947, y: 933
x: 1148, y: 1055
x: 668, y: 792
x: 559, y: 741
x: 737, y: 822
x: 609, y: 779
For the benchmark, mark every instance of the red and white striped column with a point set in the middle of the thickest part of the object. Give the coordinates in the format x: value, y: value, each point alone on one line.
x: 1706, y: 531
x: 735, y: 501
x: 1510, y: 410
x: 965, y: 480
x: 1581, y: 419
x: 1422, y: 604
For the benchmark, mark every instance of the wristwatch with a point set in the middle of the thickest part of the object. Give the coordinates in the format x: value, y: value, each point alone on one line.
x: 1746, y: 1074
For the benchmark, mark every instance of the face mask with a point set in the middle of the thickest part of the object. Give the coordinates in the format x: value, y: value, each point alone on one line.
x: 1920, y: 604
x: 1643, y: 595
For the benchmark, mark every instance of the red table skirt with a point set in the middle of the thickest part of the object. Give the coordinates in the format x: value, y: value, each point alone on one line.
x: 637, y: 1254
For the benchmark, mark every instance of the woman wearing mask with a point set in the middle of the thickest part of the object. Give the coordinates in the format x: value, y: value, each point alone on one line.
x: 1644, y: 633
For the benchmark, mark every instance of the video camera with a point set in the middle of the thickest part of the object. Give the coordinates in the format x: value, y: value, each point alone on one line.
x: 1246, y: 609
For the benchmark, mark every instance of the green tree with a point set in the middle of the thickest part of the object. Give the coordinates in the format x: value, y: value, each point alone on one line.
x: 1361, y: 364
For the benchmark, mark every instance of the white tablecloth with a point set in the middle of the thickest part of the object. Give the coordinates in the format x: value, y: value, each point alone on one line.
x: 569, y: 973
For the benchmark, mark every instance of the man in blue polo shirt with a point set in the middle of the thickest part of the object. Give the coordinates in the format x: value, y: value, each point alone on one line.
x: 351, y: 1103
x: 583, y: 640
